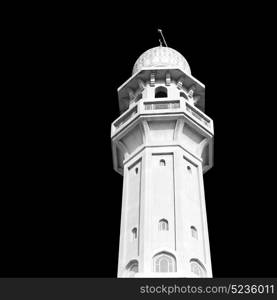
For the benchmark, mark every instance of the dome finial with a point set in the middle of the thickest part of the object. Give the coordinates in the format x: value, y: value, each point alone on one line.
x: 160, y: 31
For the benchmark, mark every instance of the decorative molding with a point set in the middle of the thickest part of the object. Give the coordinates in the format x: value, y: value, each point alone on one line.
x: 178, y: 128
x: 179, y: 84
x: 190, y: 93
x: 152, y: 79
x: 167, y: 79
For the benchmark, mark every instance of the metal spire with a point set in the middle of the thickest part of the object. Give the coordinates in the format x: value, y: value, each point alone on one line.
x: 160, y: 31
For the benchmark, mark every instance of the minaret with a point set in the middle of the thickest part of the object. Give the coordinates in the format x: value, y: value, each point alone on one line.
x: 162, y: 144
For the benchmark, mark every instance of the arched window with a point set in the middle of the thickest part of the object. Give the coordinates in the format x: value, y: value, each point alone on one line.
x: 160, y: 92
x: 163, y: 225
x: 197, y: 268
x: 135, y: 233
x: 182, y: 94
x: 194, y: 232
x: 132, y: 268
x: 164, y: 262
x: 162, y: 162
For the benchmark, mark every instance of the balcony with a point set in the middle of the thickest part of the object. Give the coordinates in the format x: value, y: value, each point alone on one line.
x: 129, y: 114
x: 162, y: 105
x: 199, y: 116
x: 149, y: 107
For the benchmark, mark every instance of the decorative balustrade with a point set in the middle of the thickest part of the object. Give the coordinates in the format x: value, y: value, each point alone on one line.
x: 145, y: 107
x: 125, y: 117
x: 162, y: 105
x: 198, y: 115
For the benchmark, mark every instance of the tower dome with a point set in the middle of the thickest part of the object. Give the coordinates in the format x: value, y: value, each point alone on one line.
x: 161, y: 57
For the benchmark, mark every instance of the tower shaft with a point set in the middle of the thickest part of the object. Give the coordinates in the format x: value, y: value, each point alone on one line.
x: 163, y: 201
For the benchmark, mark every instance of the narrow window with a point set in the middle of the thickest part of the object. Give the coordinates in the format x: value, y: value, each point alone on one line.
x: 162, y: 162
x: 135, y: 233
x: 136, y: 170
x: 163, y: 225
x: 164, y: 262
x: 194, y: 232
x: 160, y: 92
x: 189, y: 168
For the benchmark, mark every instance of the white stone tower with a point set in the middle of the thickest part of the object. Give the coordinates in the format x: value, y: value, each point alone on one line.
x: 162, y: 144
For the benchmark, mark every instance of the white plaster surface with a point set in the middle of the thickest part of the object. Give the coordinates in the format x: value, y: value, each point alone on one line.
x: 162, y: 149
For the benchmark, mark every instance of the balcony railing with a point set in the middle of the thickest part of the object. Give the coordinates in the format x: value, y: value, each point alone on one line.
x: 173, y: 107
x: 198, y: 115
x: 125, y: 117
x: 162, y: 105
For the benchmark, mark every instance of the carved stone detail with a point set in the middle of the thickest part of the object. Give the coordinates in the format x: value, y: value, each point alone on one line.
x: 152, y: 79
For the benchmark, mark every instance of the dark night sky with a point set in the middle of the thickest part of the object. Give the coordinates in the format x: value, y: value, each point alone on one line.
x: 61, y: 211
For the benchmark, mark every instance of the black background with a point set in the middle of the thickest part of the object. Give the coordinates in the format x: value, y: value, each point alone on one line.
x: 61, y: 201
